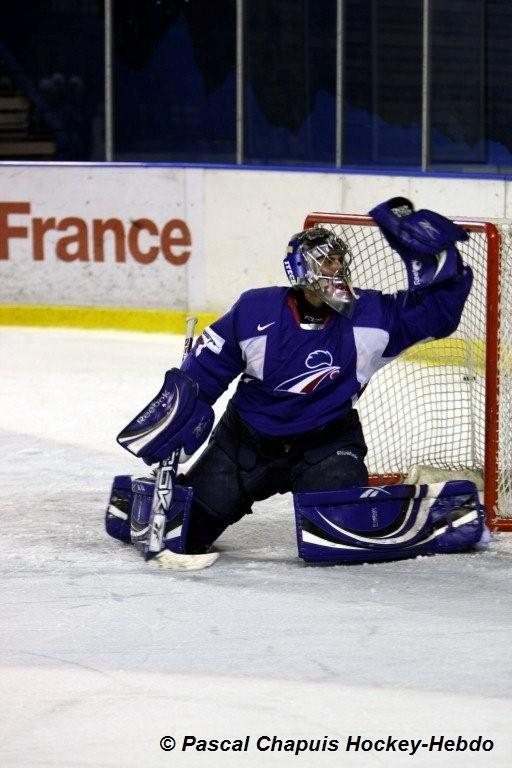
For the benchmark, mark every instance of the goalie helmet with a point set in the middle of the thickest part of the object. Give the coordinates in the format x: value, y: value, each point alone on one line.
x: 307, y: 264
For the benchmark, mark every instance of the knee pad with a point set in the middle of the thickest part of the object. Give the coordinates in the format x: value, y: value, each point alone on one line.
x: 388, y: 523
x: 217, y: 485
x: 129, y: 511
x: 341, y: 468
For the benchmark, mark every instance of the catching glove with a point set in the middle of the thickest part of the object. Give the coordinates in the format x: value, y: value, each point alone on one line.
x: 425, y: 240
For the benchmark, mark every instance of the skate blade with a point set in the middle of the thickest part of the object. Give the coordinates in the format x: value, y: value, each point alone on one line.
x: 173, y: 561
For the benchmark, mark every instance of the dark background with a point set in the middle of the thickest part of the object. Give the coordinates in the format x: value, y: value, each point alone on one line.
x: 174, y: 82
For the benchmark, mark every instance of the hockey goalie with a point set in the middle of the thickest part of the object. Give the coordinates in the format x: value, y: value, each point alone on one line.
x: 304, y: 354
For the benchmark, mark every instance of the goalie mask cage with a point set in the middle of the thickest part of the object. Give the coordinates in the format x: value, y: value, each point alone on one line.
x: 444, y: 404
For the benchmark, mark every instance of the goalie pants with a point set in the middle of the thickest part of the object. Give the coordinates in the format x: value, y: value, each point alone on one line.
x: 240, y: 466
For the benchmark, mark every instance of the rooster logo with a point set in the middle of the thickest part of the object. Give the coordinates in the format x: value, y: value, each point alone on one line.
x: 320, y: 369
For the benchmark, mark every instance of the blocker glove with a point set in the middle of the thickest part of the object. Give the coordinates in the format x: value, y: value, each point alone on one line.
x: 176, y: 419
x: 425, y: 240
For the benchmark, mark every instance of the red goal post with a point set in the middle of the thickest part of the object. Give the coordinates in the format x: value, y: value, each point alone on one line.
x: 442, y: 399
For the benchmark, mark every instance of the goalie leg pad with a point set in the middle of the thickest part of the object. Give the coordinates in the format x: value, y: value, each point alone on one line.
x: 178, y: 515
x: 117, y: 516
x: 388, y: 523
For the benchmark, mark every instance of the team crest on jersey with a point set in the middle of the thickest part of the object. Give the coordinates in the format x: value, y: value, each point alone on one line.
x: 319, y: 369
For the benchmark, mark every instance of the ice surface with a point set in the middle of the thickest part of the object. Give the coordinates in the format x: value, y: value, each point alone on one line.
x: 102, y: 655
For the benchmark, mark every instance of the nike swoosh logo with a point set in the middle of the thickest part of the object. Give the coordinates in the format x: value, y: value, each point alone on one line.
x: 262, y: 327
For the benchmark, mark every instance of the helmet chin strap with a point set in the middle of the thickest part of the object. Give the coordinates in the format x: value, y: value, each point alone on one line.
x: 312, y: 296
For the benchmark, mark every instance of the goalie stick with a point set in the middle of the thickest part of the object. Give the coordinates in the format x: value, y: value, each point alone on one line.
x: 164, y: 485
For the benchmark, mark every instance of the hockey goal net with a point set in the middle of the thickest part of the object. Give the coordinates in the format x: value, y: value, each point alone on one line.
x: 443, y: 405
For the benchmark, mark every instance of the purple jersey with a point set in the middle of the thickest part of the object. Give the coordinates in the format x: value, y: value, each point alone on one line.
x: 294, y: 379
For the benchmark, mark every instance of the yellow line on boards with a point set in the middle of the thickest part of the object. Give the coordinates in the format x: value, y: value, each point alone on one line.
x: 102, y: 318
x: 450, y: 351
x: 441, y: 352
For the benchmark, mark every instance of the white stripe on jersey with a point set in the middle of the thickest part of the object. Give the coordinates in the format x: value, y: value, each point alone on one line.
x: 253, y: 352
x: 370, y: 345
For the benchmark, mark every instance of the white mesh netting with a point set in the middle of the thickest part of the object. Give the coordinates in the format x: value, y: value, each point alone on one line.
x: 428, y: 407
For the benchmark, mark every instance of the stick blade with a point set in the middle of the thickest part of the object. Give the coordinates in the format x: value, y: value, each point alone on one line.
x: 174, y: 561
